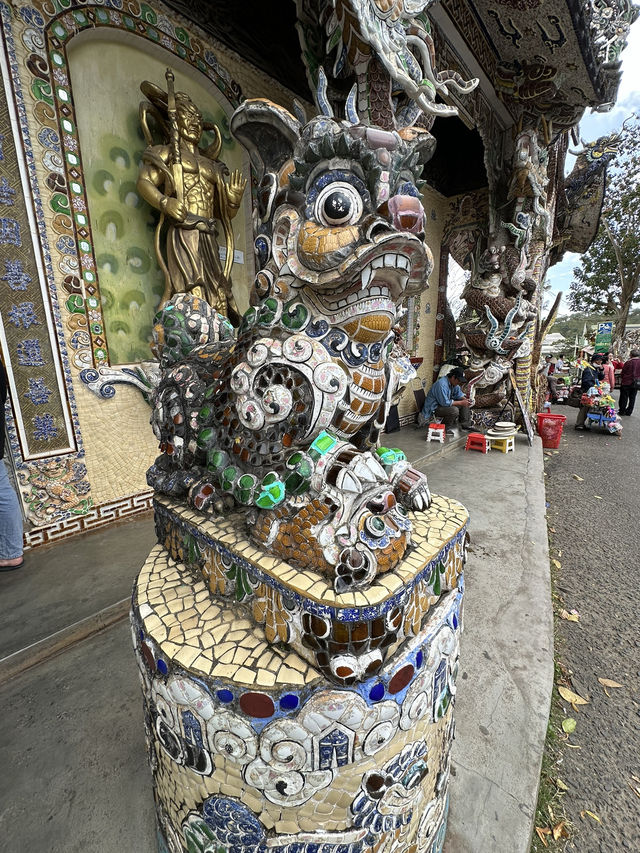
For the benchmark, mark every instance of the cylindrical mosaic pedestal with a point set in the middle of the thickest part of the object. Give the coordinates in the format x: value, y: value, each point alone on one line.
x: 284, y: 717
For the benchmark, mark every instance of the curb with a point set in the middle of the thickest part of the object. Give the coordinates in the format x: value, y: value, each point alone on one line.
x: 46, y: 648
x: 507, y: 650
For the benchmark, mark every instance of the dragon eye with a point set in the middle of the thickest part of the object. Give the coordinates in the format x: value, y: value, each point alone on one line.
x: 338, y: 204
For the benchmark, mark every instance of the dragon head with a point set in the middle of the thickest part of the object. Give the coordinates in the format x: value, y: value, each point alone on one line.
x: 343, y: 216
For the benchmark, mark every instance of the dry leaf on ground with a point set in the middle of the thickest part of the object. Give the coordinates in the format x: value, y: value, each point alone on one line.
x: 570, y: 696
x: 592, y: 815
x: 570, y: 617
x: 573, y: 746
x: 560, y: 785
x: 598, y: 497
x: 636, y: 790
x: 607, y: 682
x: 579, y: 479
x: 560, y: 831
x: 557, y: 564
x: 542, y: 831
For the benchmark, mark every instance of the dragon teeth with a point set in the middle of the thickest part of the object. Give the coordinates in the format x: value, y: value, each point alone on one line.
x: 388, y: 261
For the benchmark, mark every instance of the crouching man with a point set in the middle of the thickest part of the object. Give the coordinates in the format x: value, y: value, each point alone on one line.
x: 446, y: 401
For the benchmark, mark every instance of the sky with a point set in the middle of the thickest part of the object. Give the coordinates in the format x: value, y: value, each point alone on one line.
x: 592, y: 126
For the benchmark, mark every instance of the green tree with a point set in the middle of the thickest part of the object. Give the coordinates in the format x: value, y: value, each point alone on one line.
x: 608, y: 279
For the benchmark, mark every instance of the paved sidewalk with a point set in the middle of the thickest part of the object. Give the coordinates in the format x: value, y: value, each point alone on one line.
x: 72, y: 729
x: 506, y: 656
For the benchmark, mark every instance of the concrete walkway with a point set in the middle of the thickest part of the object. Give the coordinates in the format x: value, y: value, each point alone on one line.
x: 72, y: 736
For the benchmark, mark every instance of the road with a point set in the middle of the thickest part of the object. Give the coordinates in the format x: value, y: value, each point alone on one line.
x: 593, y: 525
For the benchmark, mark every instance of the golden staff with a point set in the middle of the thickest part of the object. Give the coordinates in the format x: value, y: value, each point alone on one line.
x: 176, y: 156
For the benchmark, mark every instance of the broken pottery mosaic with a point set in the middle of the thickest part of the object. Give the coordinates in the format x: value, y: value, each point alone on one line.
x: 280, y: 713
x: 297, y: 625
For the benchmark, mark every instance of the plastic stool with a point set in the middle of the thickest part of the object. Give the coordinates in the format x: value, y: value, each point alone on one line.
x: 477, y: 441
x: 504, y: 444
x: 436, y: 433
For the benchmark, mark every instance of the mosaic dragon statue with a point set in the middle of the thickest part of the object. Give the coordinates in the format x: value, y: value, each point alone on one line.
x: 314, y: 711
x: 386, y: 45
x: 498, y: 322
x: 584, y: 188
x: 285, y: 419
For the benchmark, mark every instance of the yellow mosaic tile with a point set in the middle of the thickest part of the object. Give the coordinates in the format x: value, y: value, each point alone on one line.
x: 182, y: 792
x: 218, y: 642
x: 432, y: 530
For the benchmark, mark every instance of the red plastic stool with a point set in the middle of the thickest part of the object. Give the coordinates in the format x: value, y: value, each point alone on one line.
x: 477, y: 441
x: 436, y: 433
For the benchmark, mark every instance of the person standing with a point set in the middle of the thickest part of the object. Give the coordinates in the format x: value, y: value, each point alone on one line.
x: 609, y: 370
x: 10, y: 516
x: 629, y: 383
x: 446, y: 401
x: 591, y: 375
x: 548, y: 372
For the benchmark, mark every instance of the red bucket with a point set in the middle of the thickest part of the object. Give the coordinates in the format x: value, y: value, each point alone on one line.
x: 550, y: 429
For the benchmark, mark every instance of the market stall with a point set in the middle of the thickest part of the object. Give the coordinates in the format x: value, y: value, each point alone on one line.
x: 602, y: 409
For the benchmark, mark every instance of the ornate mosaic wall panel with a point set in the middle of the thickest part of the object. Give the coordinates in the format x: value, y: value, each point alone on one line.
x: 109, y: 73
x: 53, y: 487
x: 42, y: 419
x: 75, y: 238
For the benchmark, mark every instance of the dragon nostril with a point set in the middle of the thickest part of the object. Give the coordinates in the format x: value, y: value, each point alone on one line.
x: 379, y: 228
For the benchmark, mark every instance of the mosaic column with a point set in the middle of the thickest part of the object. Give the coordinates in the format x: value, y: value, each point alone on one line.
x: 283, y: 716
x: 297, y: 625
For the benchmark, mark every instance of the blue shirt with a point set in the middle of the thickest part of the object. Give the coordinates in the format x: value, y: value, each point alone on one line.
x: 441, y: 393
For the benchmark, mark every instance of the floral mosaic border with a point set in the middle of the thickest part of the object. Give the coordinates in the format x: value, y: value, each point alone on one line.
x: 41, y: 415
x: 92, y: 517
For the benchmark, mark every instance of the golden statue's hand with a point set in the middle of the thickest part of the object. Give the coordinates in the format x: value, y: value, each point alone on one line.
x: 173, y: 208
x: 235, y: 188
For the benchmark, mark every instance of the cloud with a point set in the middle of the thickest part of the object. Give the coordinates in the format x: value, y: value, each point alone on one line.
x: 560, y: 276
x: 631, y: 64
